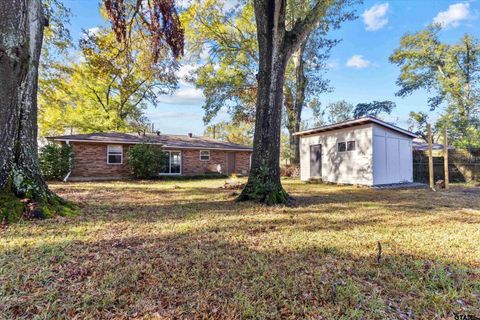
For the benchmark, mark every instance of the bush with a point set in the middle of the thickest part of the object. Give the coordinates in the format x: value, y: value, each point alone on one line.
x: 55, y: 161
x: 146, y: 161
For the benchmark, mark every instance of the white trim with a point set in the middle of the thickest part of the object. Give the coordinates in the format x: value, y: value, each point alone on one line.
x: 360, y: 121
x: 170, y: 164
x: 200, y: 155
x: 65, y: 179
x: 160, y: 144
x: 108, y: 154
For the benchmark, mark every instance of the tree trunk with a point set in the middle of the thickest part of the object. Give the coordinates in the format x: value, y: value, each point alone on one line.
x: 264, y: 181
x: 296, y: 116
x: 275, y: 48
x: 21, y: 35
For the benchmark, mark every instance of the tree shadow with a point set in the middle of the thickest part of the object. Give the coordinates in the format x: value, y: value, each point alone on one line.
x: 213, y: 273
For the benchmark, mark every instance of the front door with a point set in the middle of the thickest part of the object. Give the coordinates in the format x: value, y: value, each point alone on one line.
x: 316, y: 161
x: 230, y: 162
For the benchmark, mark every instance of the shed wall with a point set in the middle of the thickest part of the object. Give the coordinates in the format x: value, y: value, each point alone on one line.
x: 392, y: 156
x: 353, y: 167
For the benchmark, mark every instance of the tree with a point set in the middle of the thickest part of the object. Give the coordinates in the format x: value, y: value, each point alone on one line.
x: 241, y: 133
x: 22, y: 24
x: 418, y: 122
x: 222, y: 45
x: 373, y: 109
x: 276, y: 44
x: 228, y: 75
x: 305, y: 80
x: 339, y: 111
x: 450, y: 71
x: 109, y: 89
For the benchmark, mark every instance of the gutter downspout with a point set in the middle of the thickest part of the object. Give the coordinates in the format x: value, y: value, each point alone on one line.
x: 69, y: 164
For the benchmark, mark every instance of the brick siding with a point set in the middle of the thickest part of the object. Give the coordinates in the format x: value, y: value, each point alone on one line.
x: 90, y: 162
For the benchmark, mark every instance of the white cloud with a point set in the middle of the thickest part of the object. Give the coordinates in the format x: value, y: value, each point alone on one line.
x: 375, y: 17
x: 454, y: 15
x: 333, y: 64
x: 185, y: 95
x: 357, y: 61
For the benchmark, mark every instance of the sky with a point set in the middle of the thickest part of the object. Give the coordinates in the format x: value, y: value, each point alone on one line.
x: 359, y: 70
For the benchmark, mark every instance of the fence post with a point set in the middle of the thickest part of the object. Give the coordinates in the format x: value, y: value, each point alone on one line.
x: 430, y: 157
x: 445, y: 159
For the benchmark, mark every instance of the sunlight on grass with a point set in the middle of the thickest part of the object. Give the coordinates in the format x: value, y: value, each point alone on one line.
x: 185, y: 249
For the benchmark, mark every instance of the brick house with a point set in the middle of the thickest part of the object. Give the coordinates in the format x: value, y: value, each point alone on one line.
x: 102, y: 156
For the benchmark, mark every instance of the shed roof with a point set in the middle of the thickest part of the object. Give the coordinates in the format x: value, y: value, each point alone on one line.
x: 354, y: 123
x: 166, y: 141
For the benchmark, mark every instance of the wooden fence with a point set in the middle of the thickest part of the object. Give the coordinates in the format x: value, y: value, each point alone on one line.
x: 463, y: 165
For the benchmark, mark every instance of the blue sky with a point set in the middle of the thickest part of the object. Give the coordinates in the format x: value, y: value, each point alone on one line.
x: 359, y: 70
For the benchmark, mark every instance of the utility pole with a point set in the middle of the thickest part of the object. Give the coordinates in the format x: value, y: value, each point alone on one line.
x: 430, y: 158
x: 445, y: 159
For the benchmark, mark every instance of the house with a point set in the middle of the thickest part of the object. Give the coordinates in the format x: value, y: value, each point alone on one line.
x: 102, y: 156
x: 421, y: 145
x: 365, y: 151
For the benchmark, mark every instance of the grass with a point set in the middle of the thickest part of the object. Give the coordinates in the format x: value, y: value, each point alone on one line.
x: 185, y: 249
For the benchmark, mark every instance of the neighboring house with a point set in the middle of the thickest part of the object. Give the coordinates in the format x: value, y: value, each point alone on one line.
x: 100, y: 156
x: 365, y: 151
x: 421, y: 145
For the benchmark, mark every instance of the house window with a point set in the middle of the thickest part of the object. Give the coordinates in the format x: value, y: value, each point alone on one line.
x: 351, y: 146
x: 342, y: 147
x: 114, y: 154
x: 204, y: 155
x: 173, y: 163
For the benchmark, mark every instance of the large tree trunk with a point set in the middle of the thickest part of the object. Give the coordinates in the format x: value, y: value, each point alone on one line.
x: 275, y: 48
x: 21, y: 34
x: 295, y: 108
x: 264, y: 181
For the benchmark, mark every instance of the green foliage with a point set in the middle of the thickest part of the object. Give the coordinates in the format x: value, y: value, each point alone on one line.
x: 204, y: 176
x: 227, y: 74
x: 241, y: 133
x: 146, y: 161
x: 451, y: 73
x: 55, y: 160
x: 260, y: 188
x: 107, y: 90
x: 339, y: 111
x: 11, y: 209
x: 373, y: 109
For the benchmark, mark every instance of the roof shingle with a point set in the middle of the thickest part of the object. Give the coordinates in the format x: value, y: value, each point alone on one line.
x: 167, y: 141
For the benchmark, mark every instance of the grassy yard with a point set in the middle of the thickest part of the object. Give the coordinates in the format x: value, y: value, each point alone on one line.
x: 184, y: 249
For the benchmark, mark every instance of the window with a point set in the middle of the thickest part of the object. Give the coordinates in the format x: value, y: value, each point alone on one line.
x: 173, y: 164
x: 342, y: 147
x: 350, y: 145
x: 204, y: 155
x: 114, y: 154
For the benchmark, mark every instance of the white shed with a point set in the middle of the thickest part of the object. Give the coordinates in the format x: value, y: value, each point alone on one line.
x: 365, y: 151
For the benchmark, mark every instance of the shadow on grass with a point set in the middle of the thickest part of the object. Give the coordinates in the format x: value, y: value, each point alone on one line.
x: 214, y: 274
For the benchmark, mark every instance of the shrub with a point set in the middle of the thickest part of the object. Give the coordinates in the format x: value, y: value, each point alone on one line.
x: 146, y: 161
x: 55, y: 161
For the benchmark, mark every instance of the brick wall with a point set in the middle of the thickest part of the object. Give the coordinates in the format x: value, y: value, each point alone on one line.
x: 191, y: 163
x: 90, y: 161
x: 242, y: 162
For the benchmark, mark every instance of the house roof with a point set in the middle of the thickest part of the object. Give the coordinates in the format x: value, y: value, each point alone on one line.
x: 166, y: 141
x: 354, y: 123
x: 420, y: 145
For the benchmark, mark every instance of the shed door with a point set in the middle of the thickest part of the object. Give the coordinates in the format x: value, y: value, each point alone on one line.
x: 230, y: 162
x: 316, y: 161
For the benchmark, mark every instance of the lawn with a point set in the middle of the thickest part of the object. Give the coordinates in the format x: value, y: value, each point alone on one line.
x: 185, y: 249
